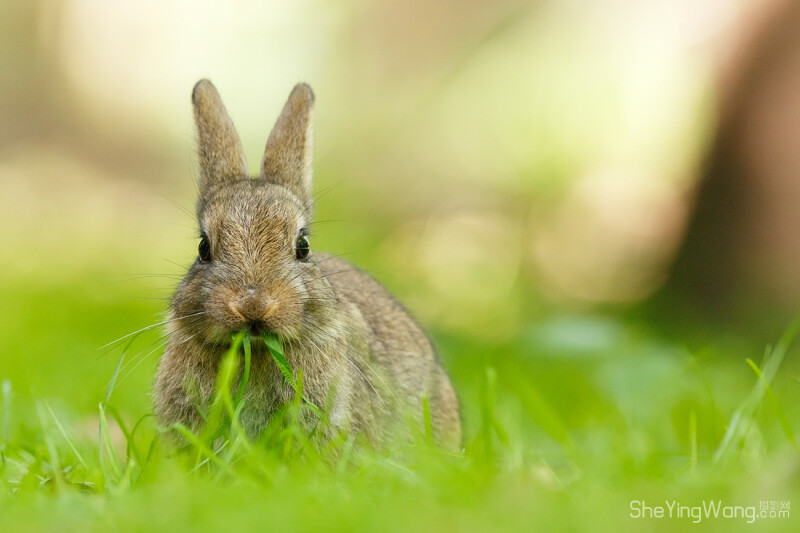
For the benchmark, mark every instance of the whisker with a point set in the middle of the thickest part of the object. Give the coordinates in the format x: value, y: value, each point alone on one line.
x: 151, y: 327
x: 142, y: 359
x: 157, y: 348
x: 134, y: 358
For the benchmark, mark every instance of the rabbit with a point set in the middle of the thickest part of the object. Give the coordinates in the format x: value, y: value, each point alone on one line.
x: 359, y: 350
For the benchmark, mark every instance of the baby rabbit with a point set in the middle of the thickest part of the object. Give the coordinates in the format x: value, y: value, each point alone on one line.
x: 359, y: 351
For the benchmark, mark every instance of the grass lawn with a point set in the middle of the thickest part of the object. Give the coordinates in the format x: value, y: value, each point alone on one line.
x: 575, y: 424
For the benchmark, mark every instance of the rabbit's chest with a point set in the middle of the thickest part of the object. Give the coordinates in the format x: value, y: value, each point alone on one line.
x: 267, y: 389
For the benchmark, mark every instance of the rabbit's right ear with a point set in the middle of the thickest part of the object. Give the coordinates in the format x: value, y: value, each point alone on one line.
x: 287, y: 156
x: 221, y: 156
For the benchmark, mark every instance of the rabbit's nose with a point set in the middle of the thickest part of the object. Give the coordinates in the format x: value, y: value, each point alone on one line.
x: 251, y: 306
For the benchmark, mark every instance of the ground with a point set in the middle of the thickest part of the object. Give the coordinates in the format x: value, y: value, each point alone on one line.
x: 577, y: 422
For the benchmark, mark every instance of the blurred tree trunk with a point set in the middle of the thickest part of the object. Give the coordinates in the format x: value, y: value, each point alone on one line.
x: 741, y: 254
x: 28, y: 75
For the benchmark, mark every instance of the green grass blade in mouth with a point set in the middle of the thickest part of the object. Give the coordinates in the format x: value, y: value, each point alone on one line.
x: 275, y: 347
x: 276, y: 350
x: 246, y: 373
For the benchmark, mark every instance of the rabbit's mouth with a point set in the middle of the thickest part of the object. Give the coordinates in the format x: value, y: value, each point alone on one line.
x: 257, y: 328
x: 221, y: 333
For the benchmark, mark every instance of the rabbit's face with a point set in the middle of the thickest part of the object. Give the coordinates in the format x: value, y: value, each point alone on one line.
x: 254, y: 271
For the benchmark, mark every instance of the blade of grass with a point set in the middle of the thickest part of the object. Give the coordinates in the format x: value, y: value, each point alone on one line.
x: 222, y: 407
x: 540, y: 411
x: 128, y: 435
x: 276, y: 351
x: 201, y: 447
x: 7, y: 397
x: 132, y: 443
x: 118, y: 369
x: 64, y: 434
x: 776, y: 406
x: 738, y: 426
x: 246, y: 373
x: 490, y: 427
x: 106, y: 443
x: 52, y: 451
x: 693, y: 438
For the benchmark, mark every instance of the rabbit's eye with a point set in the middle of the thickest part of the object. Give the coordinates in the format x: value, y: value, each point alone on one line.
x: 204, y: 250
x: 302, y: 248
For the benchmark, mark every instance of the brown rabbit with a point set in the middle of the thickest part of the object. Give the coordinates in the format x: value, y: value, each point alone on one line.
x: 359, y: 351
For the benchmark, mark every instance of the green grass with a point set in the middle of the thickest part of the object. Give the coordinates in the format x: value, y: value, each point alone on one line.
x: 564, y: 426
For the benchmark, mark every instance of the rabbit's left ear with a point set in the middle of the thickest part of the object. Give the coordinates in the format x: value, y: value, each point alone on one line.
x: 287, y: 157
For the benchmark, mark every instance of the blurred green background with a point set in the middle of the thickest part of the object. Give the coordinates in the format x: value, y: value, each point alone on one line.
x: 491, y: 163
x: 519, y: 173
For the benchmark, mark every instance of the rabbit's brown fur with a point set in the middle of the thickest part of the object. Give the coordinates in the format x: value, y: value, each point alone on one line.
x: 359, y: 351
